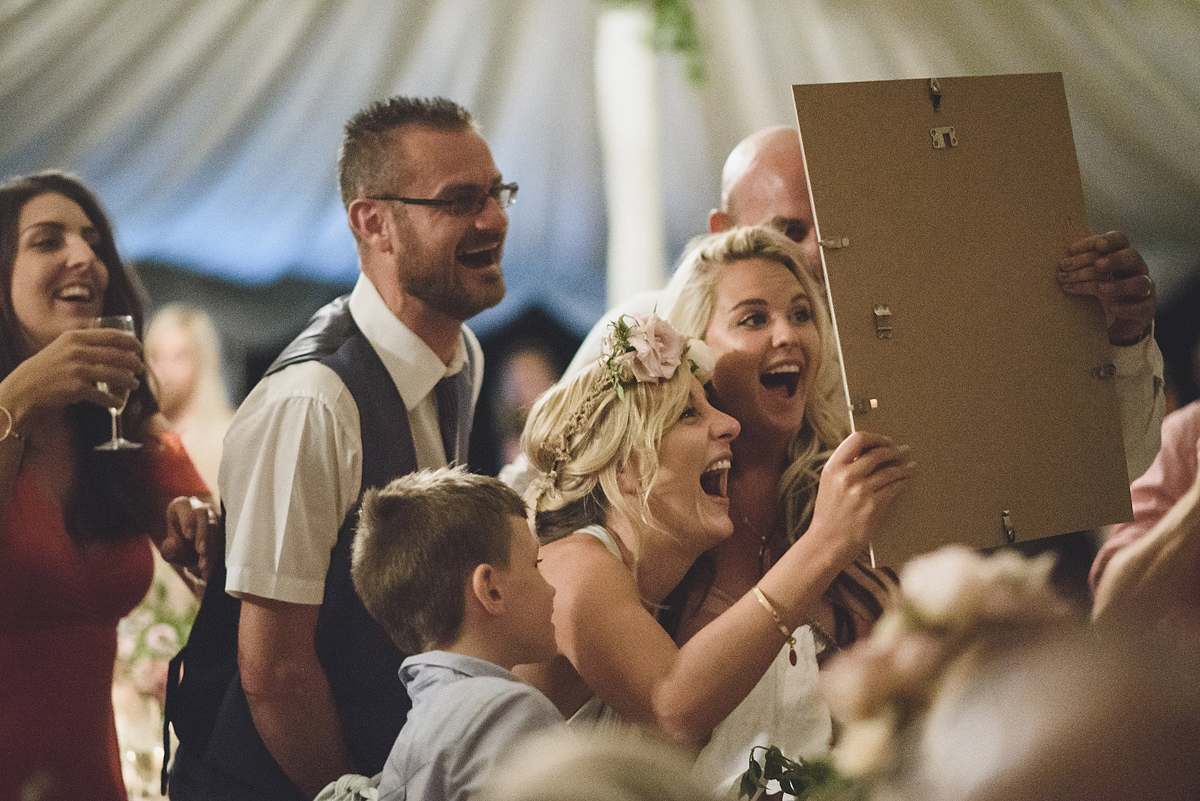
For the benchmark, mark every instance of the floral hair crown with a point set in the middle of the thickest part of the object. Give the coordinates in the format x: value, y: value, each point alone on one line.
x: 637, y: 350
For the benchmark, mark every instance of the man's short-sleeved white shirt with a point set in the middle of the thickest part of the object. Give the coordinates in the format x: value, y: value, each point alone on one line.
x: 292, y: 463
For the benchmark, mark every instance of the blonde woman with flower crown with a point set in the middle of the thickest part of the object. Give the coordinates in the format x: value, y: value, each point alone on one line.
x: 634, y: 464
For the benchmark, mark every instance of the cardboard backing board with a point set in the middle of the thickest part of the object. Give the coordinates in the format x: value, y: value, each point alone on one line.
x: 946, y: 225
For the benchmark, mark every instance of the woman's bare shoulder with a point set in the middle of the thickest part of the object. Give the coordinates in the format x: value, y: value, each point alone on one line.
x: 582, y: 568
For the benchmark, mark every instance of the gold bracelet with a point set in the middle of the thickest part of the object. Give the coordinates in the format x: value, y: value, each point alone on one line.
x: 787, y: 633
x: 9, y: 431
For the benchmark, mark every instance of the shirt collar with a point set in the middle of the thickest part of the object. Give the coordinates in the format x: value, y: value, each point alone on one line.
x: 460, y: 663
x: 411, y: 363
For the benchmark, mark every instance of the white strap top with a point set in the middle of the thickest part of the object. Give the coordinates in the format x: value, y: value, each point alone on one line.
x: 605, y: 536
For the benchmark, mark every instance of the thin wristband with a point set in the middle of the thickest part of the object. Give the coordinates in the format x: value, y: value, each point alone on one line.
x: 9, y: 431
x: 787, y: 633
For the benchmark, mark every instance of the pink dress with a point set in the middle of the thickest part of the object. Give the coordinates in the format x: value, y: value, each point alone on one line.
x: 59, y: 605
x: 1156, y: 492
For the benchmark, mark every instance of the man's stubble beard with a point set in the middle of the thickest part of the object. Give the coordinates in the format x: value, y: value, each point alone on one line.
x: 439, y: 291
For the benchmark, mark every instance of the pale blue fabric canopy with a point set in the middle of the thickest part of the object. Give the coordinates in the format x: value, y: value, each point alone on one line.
x: 209, y: 128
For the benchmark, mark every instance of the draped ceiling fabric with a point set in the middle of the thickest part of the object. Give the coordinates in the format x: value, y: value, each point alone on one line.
x: 209, y: 127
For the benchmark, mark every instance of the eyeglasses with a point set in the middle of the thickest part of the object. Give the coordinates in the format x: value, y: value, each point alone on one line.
x: 464, y: 202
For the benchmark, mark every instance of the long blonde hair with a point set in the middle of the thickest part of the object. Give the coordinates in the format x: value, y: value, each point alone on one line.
x: 583, y: 432
x: 209, y: 398
x: 689, y: 301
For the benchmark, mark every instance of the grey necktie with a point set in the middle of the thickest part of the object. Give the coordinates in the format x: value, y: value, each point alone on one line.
x: 446, y: 394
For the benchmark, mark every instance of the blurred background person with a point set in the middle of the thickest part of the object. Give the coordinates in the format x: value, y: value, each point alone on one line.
x: 1149, y: 569
x: 184, y: 356
x: 525, y: 374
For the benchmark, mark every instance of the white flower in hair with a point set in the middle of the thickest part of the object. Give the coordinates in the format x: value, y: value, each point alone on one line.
x: 703, y: 361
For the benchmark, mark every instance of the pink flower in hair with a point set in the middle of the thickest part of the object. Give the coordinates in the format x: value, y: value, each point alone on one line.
x: 657, y: 348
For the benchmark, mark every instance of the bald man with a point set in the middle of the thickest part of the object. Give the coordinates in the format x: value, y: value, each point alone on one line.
x: 764, y: 183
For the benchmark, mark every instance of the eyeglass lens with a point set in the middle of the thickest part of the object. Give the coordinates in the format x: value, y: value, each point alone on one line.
x: 473, y: 202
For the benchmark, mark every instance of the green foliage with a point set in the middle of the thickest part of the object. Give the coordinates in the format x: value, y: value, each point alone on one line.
x: 621, y: 346
x: 674, y: 32
x: 814, y: 780
x: 157, y: 628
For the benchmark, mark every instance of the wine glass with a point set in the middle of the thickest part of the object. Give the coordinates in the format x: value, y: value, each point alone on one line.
x: 122, y: 322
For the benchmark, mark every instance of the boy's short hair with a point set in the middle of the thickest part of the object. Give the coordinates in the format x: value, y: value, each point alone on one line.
x: 419, y: 538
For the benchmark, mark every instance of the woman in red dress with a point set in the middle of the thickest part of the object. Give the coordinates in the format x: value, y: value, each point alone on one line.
x: 76, y: 524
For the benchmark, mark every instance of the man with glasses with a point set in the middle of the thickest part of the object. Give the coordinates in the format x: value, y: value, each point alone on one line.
x: 382, y: 382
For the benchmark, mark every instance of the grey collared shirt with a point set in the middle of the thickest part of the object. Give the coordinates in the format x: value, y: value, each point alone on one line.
x: 466, y: 713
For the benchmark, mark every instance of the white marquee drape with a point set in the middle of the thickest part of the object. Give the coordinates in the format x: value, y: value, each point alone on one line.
x: 209, y: 127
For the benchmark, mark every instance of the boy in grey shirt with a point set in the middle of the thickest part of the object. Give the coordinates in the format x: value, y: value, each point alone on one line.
x: 446, y: 562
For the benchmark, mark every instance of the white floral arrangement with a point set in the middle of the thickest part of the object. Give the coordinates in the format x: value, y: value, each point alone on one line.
x: 150, y: 635
x: 147, y: 639
x: 952, y: 602
x: 637, y: 350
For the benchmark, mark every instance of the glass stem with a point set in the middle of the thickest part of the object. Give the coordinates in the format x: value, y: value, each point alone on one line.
x: 116, y: 430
